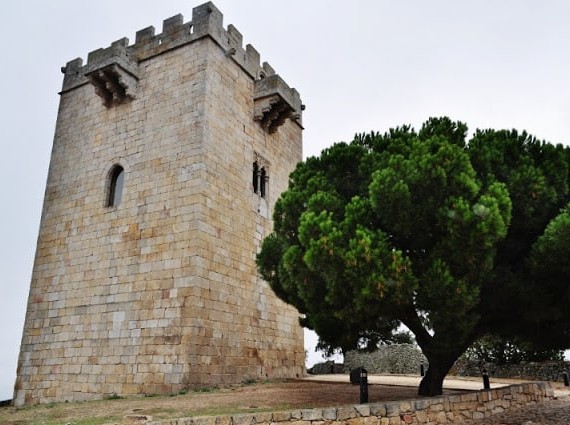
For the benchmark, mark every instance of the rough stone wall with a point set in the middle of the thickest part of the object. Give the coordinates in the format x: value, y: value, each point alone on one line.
x: 396, y: 359
x: 160, y: 292
x: 326, y: 368
x: 540, y: 371
x: 437, y: 410
x: 407, y: 359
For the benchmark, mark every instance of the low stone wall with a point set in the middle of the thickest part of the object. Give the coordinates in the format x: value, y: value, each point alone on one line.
x: 438, y: 410
x: 326, y: 368
x: 398, y: 359
x: 538, y: 371
x: 407, y: 358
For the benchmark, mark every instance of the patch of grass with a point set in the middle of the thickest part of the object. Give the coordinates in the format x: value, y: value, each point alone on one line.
x: 95, y: 421
x: 205, y: 401
x: 206, y: 389
x: 181, y: 392
x: 114, y: 396
x: 162, y: 412
x: 226, y: 410
x: 55, y: 414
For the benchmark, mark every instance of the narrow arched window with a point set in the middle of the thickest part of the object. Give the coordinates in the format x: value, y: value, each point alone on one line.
x: 260, y: 179
x: 115, y: 186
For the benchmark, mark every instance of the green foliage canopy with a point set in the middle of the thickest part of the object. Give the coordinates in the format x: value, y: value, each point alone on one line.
x: 451, y: 238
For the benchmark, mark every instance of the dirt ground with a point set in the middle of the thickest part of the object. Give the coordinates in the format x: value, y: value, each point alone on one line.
x: 271, y: 396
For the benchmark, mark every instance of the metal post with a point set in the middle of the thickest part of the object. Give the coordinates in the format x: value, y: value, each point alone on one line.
x: 363, y: 386
x: 486, y: 384
x: 566, y: 380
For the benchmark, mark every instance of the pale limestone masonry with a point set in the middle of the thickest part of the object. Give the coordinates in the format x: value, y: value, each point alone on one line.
x: 454, y: 409
x: 159, y: 292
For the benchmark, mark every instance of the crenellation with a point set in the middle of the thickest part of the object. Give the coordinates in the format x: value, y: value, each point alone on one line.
x: 122, y: 60
x: 207, y: 20
x: 172, y: 24
x: 235, y: 39
x: 166, y: 279
x: 268, y: 70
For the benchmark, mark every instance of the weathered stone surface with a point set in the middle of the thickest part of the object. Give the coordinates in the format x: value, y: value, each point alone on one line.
x: 539, y: 371
x: 362, y: 409
x: 344, y: 413
x: 329, y: 414
x: 378, y: 409
x: 420, y: 404
x: 281, y: 416
x: 205, y: 420
x: 478, y: 415
x: 296, y: 414
x: 262, y: 417
x: 421, y: 417
x: 311, y: 414
x: 159, y: 292
x: 392, y: 409
x: 398, y: 359
x: 299, y: 423
x: 243, y: 419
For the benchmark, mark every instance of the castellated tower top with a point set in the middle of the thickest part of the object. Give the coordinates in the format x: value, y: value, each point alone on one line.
x: 168, y: 157
x: 113, y: 71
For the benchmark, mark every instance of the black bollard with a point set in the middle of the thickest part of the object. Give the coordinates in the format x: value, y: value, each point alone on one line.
x: 566, y: 380
x: 363, y: 386
x: 422, y: 372
x: 486, y: 384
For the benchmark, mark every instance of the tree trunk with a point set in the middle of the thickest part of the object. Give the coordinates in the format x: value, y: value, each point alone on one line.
x: 441, y: 350
x: 432, y: 383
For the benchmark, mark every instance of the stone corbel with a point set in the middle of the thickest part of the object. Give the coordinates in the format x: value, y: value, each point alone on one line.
x: 113, y: 72
x: 113, y: 84
x: 274, y: 102
x: 271, y: 112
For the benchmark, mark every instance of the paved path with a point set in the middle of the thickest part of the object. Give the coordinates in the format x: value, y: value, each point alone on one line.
x: 452, y: 383
x: 410, y: 381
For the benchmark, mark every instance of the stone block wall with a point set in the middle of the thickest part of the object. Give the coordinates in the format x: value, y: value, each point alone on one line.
x: 438, y: 410
x: 159, y: 292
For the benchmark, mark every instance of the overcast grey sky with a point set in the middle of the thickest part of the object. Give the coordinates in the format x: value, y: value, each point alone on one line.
x: 359, y: 65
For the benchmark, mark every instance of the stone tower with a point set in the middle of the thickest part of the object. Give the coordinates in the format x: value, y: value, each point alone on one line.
x: 167, y: 159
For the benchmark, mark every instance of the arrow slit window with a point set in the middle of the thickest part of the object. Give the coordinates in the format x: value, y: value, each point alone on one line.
x: 115, y: 190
